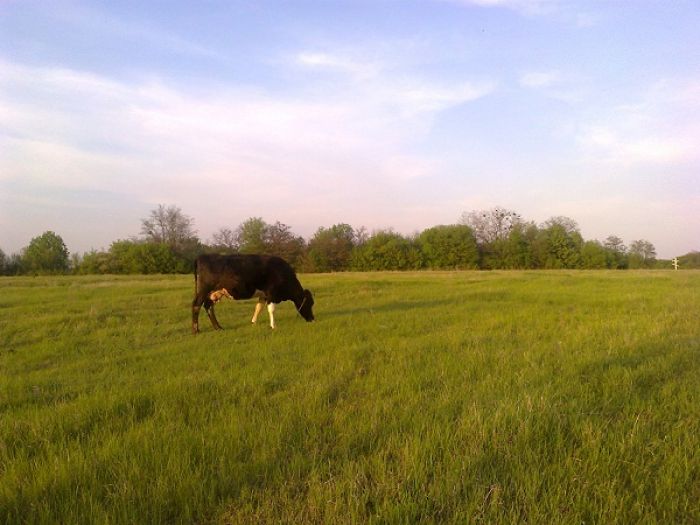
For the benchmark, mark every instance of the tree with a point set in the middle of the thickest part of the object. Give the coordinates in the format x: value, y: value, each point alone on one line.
x: 642, y: 254
x: 330, y: 249
x: 516, y: 251
x: 3, y: 263
x: 387, y: 250
x: 226, y: 240
x: 46, y: 253
x: 449, y: 247
x: 168, y: 225
x: 250, y: 235
x: 278, y: 239
x: 558, y: 244
x: 689, y: 260
x: 491, y: 225
x: 616, y: 251
x: 594, y: 255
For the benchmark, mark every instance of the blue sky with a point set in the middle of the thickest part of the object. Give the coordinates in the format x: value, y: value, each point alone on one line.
x: 381, y: 113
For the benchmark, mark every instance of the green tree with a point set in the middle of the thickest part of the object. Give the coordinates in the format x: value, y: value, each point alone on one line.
x: 330, y: 249
x: 616, y: 252
x: 94, y: 262
x: 134, y: 257
x: 558, y: 244
x: 492, y: 229
x: 516, y: 250
x: 594, y: 256
x: 250, y: 235
x: 689, y: 260
x: 46, y: 253
x: 642, y: 254
x: 278, y: 239
x: 449, y: 247
x: 387, y: 250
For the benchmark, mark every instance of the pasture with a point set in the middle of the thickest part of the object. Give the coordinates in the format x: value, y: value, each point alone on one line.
x: 446, y: 397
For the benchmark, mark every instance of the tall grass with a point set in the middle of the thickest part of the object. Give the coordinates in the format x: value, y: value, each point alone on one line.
x: 465, y: 397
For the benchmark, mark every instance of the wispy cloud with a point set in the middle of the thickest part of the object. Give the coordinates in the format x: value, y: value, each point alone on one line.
x: 657, y: 129
x: 68, y: 129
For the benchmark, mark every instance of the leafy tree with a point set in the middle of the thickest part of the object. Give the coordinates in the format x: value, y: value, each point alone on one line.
x: 330, y: 249
x: 145, y: 258
x: 387, y: 250
x: 451, y: 247
x: 617, y: 252
x: 46, y: 253
x: 3, y: 263
x: 558, y: 244
x: 689, y: 260
x: 279, y: 240
x: 96, y: 262
x: 594, y: 255
x: 250, y: 235
x: 642, y: 254
x: 516, y: 251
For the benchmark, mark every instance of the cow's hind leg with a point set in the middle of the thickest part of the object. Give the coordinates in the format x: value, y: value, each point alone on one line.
x: 209, y: 307
x: 196, y: 307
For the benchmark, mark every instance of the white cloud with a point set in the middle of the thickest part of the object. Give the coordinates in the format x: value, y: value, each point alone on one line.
x: 231, y: 150
x: 527, y: 7
x: 540, y: 79
x: 657, y: 129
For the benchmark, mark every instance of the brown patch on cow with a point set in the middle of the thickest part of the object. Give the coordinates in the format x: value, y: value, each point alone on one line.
x: 217, y: 295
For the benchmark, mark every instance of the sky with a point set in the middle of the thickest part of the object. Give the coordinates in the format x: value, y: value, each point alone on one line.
x: 399, y: 114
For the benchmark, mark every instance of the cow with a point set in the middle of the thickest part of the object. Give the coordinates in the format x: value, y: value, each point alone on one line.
x: 267, y: 277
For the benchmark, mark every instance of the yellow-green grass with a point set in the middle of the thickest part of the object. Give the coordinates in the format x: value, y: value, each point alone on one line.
x: 450, y: 397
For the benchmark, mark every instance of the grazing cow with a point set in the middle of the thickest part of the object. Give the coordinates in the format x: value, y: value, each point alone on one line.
x: 269, y: 278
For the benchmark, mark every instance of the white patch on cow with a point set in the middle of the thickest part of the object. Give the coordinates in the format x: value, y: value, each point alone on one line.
x: 271, y: 312
x: 217, y: 295
x: 258, y: 309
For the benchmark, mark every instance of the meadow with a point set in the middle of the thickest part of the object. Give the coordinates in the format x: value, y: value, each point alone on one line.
x: 426, y: 397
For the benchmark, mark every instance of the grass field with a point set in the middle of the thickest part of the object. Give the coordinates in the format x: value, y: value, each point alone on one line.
x: 466, y: 397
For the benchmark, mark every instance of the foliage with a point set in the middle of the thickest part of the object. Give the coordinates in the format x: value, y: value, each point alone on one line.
x: 617, y: 252
x: 689, y: 260
x: 168, y: 225
x: 451, y: 397
x: 387, y: 250
x: 491, y: 225
x: 330, y: 249
x: 250, y: 235
x: 558, y: 244
x: 225, y: 241
x: 594, y: 256
x: 486, y: 239
x: 449, y: 247
x: 46, y: 254
x: 134, y: 257
x: 642, y: 254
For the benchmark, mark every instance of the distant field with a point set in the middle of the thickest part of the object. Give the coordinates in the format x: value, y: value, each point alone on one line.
x: 466, y: 397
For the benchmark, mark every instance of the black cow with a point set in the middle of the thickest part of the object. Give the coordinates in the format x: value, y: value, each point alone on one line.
x: 269, y: 278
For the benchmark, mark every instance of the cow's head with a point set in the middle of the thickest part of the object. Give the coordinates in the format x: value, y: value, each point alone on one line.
x: 305, y: 307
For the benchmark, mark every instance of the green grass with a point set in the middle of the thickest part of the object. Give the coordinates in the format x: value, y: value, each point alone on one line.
x: 466, y: 397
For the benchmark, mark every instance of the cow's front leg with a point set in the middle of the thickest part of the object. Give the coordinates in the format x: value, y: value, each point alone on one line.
x: 209, y: 307
x: 271, y: 313
x: 258, y: 309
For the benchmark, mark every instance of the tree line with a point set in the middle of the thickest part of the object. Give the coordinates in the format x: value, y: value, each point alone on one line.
x: 497, y: 238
